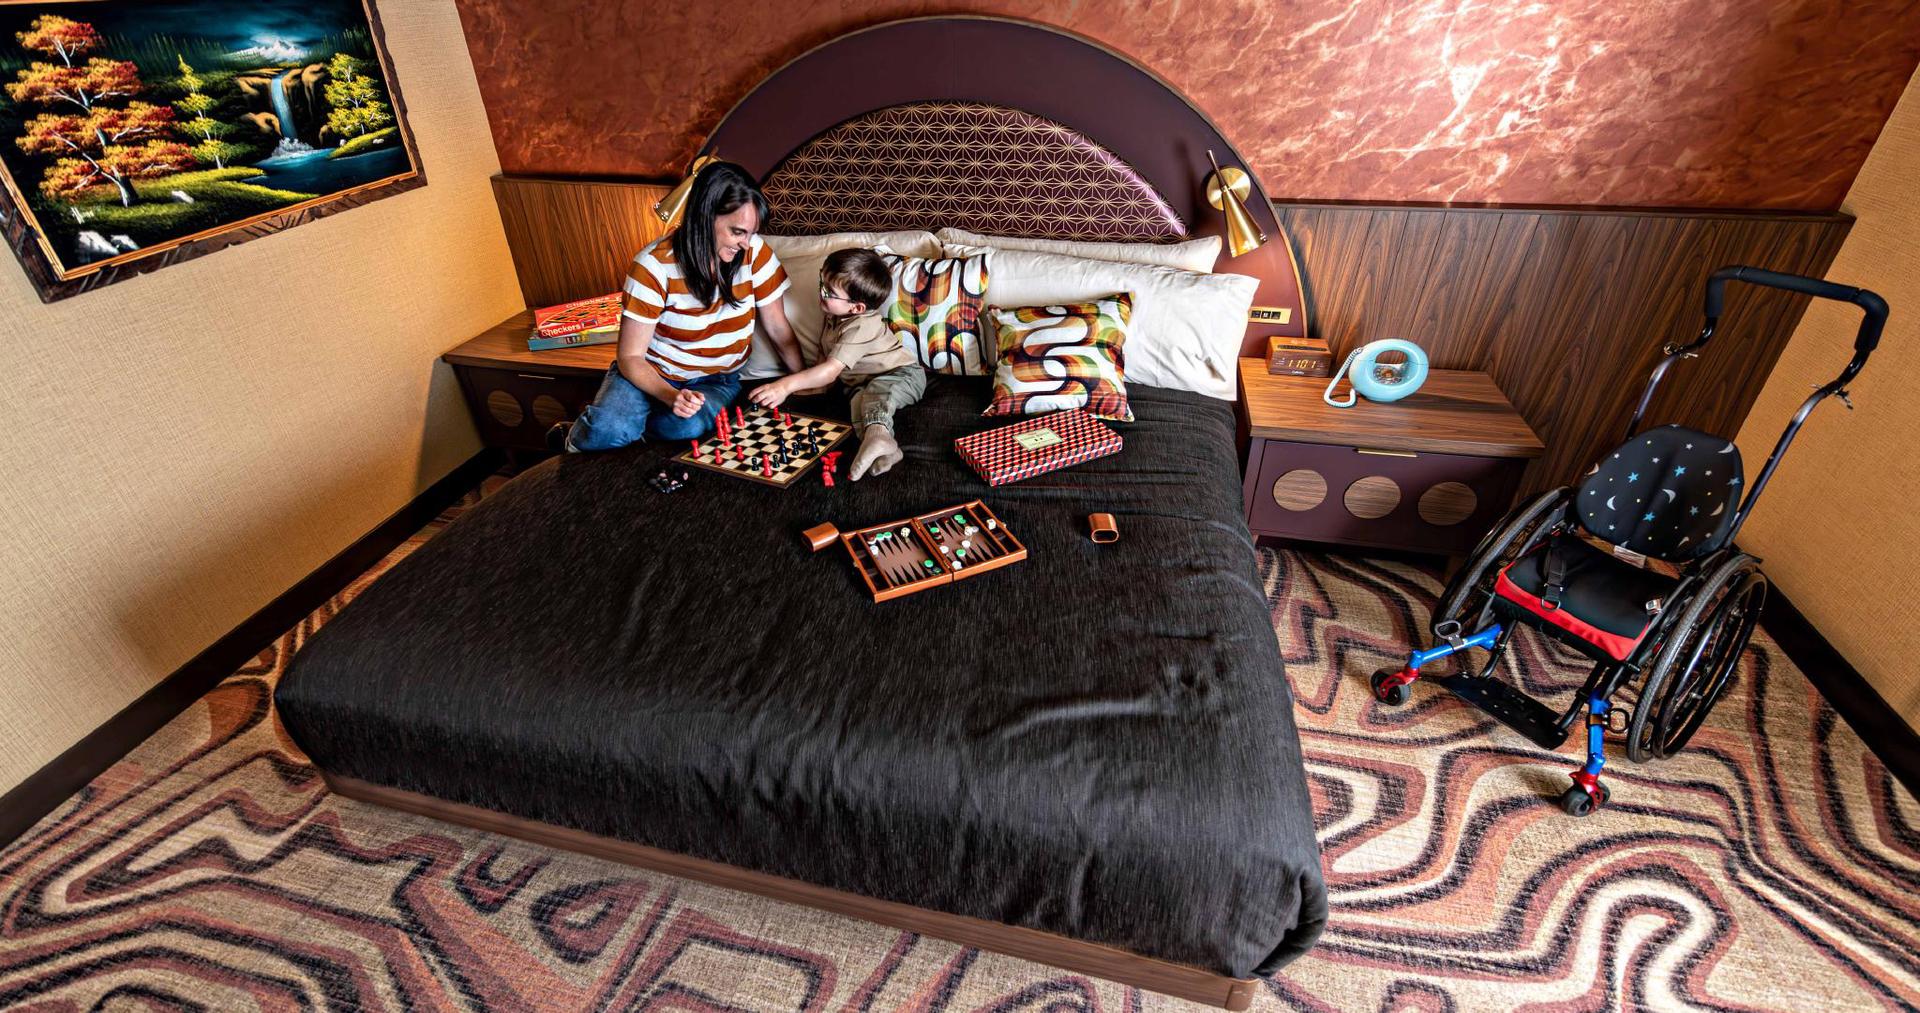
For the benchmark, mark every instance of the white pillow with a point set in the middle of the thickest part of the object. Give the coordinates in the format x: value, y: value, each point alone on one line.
x: 803, y: 256
x: 1187, y: 327
x: 1193, y: 255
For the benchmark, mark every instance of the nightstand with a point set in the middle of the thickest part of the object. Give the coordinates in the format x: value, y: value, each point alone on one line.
x: 516, y: 395
x: 1428, y: 473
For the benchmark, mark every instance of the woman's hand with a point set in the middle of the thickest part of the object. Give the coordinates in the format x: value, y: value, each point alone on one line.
x: 770, y: 395
x: 687, y: 403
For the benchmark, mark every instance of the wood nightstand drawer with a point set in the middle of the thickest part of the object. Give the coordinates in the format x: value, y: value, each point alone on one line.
x: 1387, y: 499
x: 514, y: 408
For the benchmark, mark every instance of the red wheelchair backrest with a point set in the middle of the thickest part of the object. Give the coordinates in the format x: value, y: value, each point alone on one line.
x: 1669, y: 493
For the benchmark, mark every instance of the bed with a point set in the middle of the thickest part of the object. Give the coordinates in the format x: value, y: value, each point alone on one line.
x: 1087, y: 758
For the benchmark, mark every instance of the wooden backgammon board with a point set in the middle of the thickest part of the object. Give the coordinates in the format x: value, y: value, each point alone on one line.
x: 902, y: 557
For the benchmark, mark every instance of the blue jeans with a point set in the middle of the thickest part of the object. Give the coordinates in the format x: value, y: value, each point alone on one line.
x: 622, y: 413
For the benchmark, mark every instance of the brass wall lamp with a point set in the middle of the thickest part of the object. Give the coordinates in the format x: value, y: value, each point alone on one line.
x: 669, y: 208
x: 1228, y: 190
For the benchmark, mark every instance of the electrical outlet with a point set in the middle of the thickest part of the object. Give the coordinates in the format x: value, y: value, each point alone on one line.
x: 1269, y: 314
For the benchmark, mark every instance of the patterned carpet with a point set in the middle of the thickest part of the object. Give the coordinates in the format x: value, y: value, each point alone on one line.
x: 1775, y: 865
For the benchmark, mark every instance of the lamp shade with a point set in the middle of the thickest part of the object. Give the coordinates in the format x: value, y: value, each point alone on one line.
x: 669, y: 208
x: 1228, y: 189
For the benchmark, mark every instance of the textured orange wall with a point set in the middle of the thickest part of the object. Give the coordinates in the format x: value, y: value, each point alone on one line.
x: 1720, y: 103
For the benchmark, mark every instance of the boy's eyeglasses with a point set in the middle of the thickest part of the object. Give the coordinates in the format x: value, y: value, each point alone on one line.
x: 828, y: 293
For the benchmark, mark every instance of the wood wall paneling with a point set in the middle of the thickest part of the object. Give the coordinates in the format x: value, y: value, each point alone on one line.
x: 1566, y: 309
x: 573, y: 239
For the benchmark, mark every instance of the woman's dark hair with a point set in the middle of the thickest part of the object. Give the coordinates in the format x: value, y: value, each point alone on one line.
x: 719, y: 188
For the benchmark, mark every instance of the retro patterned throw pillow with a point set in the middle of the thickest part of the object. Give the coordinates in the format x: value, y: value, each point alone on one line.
x: 1055, y: 357
x: 938, y: 308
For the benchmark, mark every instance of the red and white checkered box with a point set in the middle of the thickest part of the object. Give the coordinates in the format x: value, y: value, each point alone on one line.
x: 1037, y: 445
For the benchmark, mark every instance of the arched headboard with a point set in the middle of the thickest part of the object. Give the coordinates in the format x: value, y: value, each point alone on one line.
x: 1020, y: 129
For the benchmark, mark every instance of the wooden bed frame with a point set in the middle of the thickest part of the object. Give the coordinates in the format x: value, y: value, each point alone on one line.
x: 1093, y: 959
x: 1095, y: 93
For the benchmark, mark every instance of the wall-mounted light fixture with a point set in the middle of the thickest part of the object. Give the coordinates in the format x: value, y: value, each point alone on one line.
x: 1228, y: 190
x: 669, y: 208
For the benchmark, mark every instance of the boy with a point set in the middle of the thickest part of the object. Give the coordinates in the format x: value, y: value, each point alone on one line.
x: 861, y: 351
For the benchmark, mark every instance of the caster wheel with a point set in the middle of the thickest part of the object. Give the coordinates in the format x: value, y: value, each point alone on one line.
x: 1395, y: 694
x: 1576, y: 802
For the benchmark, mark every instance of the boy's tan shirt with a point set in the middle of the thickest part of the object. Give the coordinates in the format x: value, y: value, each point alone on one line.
x: 865, y: 345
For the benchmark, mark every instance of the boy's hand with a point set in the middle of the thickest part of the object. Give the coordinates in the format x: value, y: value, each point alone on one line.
x: 686, y: 404
x: 772, y: 394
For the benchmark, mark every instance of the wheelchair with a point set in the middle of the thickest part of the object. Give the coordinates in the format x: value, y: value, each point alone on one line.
x: 1634, y: 567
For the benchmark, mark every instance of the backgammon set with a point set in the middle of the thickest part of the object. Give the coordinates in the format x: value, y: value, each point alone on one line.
x: 901, y: 557
x: 1037, y: 445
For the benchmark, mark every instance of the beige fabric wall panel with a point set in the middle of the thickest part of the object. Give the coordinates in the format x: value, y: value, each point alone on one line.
x: 181, y: 447
x: 1836, y: 525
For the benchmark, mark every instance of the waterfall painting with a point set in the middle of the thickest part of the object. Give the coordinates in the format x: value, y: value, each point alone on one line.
x: 135, y: 134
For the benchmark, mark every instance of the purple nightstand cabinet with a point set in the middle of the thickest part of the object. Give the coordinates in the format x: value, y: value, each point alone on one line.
x: 1429, y: 473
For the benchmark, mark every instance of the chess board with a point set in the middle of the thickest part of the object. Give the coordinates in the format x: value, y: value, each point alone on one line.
x: 761, y: 433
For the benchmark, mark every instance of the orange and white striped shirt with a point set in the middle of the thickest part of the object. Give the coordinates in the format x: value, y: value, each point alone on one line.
x: 690, y: 340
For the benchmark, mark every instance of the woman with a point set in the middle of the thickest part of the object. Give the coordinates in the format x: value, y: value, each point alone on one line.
x: 691, y: 301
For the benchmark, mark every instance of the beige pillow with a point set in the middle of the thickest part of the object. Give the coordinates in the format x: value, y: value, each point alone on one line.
x: 1196, y: 255
x: 1187, y: 327
x: 802, y: 256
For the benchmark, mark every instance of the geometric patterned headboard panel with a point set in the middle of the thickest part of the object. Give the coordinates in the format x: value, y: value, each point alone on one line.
x: 984, y: 168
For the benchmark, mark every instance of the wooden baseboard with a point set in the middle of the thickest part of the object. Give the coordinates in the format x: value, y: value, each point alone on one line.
x: 1093, y: 959
x: 44, y: 790
x: 1882, y: 728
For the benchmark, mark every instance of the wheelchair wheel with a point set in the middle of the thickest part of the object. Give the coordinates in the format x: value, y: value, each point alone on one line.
x: 1394, y: 695
x: 1469, y: 594
x: 1576, y: 802
x: 1695, y: 665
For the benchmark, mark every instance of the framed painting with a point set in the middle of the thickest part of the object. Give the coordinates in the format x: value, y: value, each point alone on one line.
x: 135, y: 134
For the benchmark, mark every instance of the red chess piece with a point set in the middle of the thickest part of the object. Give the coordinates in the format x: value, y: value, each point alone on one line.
x: 739, y: 416
x: 766, y: 465
x: 696, y: 450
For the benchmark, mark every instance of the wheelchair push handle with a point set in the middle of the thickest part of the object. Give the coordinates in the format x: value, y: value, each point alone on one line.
x: 1874, y: 307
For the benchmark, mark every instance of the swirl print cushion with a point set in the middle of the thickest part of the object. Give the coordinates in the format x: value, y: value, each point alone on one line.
x: 1055, y: 357
x: 937, y: 307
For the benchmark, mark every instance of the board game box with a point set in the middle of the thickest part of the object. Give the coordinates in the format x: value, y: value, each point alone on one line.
x: 594, y: 321
x: 1037, y: 445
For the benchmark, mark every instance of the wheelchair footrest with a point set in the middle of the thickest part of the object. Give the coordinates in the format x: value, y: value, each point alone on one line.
x: 1513, y: 708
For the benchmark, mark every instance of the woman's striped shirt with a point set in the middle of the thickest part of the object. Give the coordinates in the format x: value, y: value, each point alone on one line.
x: 691, y: 340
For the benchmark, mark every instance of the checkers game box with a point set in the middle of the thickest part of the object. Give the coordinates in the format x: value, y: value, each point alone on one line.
x: 1037, y: 445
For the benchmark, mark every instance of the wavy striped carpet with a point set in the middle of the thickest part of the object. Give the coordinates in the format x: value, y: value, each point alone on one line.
x: 1773, y: 866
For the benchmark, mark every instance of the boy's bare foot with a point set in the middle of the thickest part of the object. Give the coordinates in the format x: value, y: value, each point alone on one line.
x: 878, y: 452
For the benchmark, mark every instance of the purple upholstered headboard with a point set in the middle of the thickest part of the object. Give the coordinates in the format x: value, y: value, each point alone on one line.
x: 996, y: 126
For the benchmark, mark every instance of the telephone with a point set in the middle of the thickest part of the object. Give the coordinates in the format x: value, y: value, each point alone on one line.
x: 1380, y: 381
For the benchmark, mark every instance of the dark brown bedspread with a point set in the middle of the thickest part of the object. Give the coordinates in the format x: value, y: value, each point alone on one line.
x: 1096, y: 742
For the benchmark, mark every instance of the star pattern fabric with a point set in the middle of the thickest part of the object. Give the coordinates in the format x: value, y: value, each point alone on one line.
x: 1670, y: 493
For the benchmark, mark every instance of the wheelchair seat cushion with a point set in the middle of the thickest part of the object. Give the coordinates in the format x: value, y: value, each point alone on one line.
x: 1669, y: 493
x: 1604, y: 603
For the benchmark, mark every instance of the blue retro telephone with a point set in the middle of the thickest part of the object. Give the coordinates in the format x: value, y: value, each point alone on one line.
x: 1376, y: 380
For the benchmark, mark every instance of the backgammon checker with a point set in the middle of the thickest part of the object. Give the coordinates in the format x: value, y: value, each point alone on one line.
x: 902, y: 557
